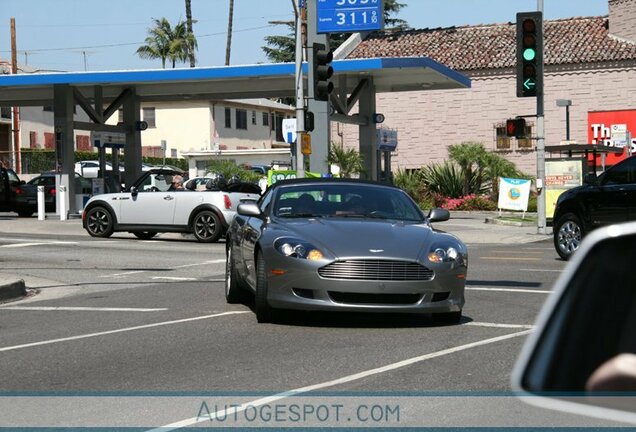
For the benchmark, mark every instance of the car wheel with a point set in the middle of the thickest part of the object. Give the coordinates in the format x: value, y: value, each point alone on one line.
x: 264, y: 313
x: 234, y: 292
x: 99, y: 222
x: 25, y: 213
x: 145, y: 235
x: 448, y: 317
x: 206, y: 227
x: 568, y: 234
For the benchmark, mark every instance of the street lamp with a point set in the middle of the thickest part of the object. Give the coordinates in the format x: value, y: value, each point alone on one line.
x: 566, y: 103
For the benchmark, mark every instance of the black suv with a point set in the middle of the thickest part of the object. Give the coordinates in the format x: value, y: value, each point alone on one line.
x: 603, y: 200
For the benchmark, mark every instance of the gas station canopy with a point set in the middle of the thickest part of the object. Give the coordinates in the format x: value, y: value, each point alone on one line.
x: 231, y: 82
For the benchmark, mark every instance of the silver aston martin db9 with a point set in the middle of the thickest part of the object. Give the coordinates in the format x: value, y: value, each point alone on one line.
x: 343, y: 245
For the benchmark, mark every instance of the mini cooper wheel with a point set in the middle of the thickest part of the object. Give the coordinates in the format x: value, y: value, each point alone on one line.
x: 145, y: 235
x: 99, y: 222
x: 234, y: 292
x: 206, y: 226
x: 567, y: 235
x: 264, y: 312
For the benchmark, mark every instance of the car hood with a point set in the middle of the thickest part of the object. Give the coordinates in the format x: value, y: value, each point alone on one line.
x: 355, y: 238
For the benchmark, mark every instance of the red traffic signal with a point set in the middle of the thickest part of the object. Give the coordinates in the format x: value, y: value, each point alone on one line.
x: 516, y: 127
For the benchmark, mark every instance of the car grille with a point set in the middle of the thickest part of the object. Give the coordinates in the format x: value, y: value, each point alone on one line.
x: 383, y: 299
x: 377, y: 270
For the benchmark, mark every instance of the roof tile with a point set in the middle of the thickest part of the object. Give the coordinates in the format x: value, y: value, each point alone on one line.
x: 493, y: 46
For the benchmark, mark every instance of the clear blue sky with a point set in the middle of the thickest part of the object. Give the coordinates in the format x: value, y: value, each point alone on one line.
x: 57, y: 34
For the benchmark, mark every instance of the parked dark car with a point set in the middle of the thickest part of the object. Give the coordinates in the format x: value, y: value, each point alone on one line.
x: 603, y: 200
x: 26, y: 197
x: 9, y: 188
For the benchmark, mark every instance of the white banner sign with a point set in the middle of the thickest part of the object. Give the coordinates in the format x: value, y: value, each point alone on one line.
x: 513, y: 194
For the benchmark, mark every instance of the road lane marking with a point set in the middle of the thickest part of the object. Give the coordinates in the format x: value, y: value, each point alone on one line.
x: 343, y: 380
x: 509, y: 258
x: 81, y: 308
x: 218, y: 261
x: 508, y: 290
x: 172, y: 278
x: 19, y: 245
x: 496, y: 325
x: 123, y: 274
x: 542, y: 270
x: 123, y: 330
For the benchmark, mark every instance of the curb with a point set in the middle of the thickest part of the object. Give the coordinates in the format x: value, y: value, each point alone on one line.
x: 505, y: 222
x: 12, y: 290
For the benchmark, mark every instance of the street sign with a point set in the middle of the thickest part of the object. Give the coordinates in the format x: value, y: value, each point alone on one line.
x: 289, y: 130
x: 305, y: 144
x: 349, y: 16
x: 108, y: 139
x: 386, y: 139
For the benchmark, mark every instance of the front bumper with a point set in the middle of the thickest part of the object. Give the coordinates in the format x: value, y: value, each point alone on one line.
x: 302, y: 288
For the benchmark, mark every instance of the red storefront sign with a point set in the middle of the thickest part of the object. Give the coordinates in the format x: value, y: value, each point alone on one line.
x: 606, y: 128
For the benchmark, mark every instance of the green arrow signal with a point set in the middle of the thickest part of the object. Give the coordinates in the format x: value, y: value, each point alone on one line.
x: 529, y: 84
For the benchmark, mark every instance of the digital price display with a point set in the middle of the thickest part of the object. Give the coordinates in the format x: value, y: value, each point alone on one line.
x: 349, y: 16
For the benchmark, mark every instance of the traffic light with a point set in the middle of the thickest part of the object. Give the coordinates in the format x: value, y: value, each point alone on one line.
x: 322, y: 72
x: 529, y: 54
x: 516, y: 127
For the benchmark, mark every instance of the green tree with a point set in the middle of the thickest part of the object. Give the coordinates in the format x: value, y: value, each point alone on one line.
x: 282, y: 48
x: 471, y: 158
x: 165, y: 42
x: 349, y: 160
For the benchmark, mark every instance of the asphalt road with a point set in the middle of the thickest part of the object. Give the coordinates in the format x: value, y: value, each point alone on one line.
x: 126, y: 332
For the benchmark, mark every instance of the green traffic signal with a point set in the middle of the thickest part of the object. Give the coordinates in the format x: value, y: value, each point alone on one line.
x: 529, y: 54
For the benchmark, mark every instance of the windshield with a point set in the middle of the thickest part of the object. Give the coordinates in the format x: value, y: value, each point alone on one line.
x: 345, y: 200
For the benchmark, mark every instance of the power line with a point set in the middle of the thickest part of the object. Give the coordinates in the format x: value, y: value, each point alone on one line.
x: 129, y: 43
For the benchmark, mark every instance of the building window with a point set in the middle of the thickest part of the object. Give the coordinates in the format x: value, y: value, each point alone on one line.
x: 526, y: 143
x: 149, y: 116
x: 120, y: 115
x: 5, y: 112
x: 33, y: 139
x: 228, y: 118
x: 502, y: 141
x: 241, y: 119
x: 253, y: 117
x: 265, y: 119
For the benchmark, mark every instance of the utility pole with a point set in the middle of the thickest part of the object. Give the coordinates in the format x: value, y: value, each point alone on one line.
x: 541, y: 207
x: 300, y: 89
x: 16, y: 110
x: 228, y: 46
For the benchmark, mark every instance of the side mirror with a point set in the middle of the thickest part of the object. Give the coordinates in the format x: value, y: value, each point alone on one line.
x: 134, y: 191
x: 249, y: 209
x: 582, y: 356
x: 590, y: 179
x: 438, y: 215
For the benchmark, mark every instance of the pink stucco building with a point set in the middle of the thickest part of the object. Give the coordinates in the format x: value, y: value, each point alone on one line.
x: 589, y: 60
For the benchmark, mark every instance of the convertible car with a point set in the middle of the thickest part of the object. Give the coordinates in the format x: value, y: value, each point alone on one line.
x: 152, y: 205
x: 344, y: 245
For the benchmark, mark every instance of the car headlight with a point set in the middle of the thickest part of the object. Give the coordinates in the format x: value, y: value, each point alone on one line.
x: 446, y: 254
x: 296, y: 248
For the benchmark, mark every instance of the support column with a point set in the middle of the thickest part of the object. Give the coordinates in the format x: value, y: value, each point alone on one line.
x: 321, y: 135
x: 63, y: 104
x: 367, y: 133
x: 132, y: 149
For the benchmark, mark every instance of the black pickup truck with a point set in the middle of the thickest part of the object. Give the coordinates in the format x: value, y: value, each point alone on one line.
x: 10, y: 185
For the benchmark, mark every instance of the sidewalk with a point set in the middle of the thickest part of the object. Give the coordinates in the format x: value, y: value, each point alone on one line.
x: 470, y: 227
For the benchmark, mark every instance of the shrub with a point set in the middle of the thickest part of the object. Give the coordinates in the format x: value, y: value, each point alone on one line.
x: 468, y: 202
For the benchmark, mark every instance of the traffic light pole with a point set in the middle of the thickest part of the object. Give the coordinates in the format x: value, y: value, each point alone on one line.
x: 541, y: 205
x: 300, y: 90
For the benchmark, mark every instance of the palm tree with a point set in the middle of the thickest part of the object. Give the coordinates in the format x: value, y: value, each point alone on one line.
x: 349, y: 160
x: 188, y: 8
x: 165, y: 42
x: 157, y: 42
x: 228, y: 46
x: 469, y: 155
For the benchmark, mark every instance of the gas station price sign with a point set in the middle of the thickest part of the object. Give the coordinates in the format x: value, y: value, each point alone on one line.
x: 349, y: 16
